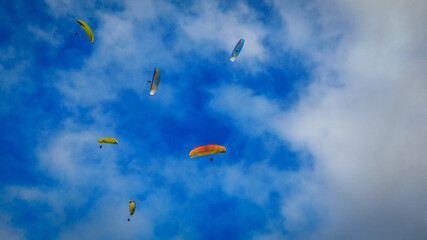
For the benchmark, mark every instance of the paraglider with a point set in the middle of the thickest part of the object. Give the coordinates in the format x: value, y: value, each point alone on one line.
x: 76, y: 33
x: 87, y: 29
x: 206, y: 150
x: 107, y: 140
x: 131, y: 208
x: 155, y: 82
x: 237, y: 49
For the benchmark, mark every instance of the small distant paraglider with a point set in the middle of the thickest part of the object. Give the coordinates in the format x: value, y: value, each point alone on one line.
x: 131, y: 208
x: 237, y: 49
x: 206, y: 150
x: 155, y: 82
x: 87, y: 29
x: 107, y: 140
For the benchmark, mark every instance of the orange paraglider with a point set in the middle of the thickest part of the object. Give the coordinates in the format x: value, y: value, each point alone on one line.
x: 206, y: 150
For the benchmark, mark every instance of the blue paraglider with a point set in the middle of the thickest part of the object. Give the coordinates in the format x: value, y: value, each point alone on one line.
x: 237, y: 49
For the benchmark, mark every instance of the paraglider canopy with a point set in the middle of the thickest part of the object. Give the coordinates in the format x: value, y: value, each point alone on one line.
x: 108, y: 140
x: 237, y: 49
x: 155, y: 82
x: 87, y: 29
x: 206, y: 150
x: 131, y: 208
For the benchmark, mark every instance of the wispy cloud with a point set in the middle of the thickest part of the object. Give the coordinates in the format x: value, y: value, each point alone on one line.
x: 366, y: 140
x: 344, y: 159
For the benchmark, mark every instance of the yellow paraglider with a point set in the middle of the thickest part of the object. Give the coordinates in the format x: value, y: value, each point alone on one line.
x: 131, y: 208
x: 107, y: 140
x: 87, y: 29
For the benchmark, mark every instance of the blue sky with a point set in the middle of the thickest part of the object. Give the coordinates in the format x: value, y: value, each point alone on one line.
x: 322, y: 114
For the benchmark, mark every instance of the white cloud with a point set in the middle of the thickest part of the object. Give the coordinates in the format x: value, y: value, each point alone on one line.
x: 362, y: 119
x: 212, y: 28
x: 129, y: 44
x: 367, y: 134
x: 7, y: 230
x: 46, y: 35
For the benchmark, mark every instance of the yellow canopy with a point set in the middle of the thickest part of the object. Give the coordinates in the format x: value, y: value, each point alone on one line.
x: 132, y: 207
x: 87, y: 29
x: 108, y: 140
